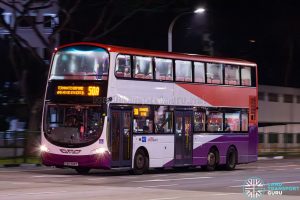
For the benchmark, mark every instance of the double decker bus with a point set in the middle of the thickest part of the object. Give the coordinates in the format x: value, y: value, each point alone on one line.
x: 116, y: 107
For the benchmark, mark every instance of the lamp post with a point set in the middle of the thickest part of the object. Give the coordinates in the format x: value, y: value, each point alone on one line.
x: 197, y: 11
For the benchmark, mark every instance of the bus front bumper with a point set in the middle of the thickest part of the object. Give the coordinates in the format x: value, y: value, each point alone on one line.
x: 94, y: 161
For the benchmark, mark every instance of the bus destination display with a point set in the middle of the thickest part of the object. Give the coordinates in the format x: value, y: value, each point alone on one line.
x: 66, y: 90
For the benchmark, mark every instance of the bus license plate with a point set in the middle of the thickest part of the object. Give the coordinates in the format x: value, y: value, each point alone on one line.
x: 71, y: 163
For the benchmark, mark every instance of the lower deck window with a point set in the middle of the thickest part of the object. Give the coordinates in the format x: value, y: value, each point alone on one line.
x: 163, y: 120
x: 143, y: 121
x: 244, y: 120
x: 232, y: 122
x: 215, y: 121
x: 199, y: 121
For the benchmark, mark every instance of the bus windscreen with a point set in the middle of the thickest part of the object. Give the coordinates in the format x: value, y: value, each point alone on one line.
x: 73, y: 125
x: 80, y: 62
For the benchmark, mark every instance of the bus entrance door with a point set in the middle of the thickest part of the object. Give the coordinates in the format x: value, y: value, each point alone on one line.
x: 183, y: 138
x: 121, y: 138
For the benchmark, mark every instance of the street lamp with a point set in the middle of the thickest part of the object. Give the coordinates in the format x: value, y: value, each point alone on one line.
x: 197, y: 11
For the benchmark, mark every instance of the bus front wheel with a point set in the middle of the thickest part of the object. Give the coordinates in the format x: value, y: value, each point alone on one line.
x: 141, y: 162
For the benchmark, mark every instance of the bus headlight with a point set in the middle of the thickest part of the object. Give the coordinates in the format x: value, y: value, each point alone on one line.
x: 43, y: 148
x: 100, y: 150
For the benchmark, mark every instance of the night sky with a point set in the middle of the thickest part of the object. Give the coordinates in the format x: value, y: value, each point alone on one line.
x: 264, y: 31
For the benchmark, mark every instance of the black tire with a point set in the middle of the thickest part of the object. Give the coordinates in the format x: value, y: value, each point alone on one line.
x: 212, y: 160
x: 141, y: 162
x: 231, y: 159
x: 82, y: 171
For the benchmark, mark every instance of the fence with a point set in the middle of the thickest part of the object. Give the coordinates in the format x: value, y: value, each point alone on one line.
x: 16, y: 147
x: 279, y: 143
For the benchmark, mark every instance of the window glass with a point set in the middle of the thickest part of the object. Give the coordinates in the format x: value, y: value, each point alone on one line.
x: 142, y: 121
x: 26, y: 21
x: 261, y: 138
x: 273, y: 97
x: 164, y: 69
x: 288, y: 98
x: 199, y: 72
x: 47, y: 21
x: 232, y: 75
x: 163, y: 120
x: 246, y: 76
x: 183, y: 70
x: 214, y: 73
x: 123, y: 66
x: 261, y: 96
x: 199, y: 121
x: 7, y: 17
x: 80, y: 62
x: 232, y: 122
x: 143, y: 68
x: 244, y: 121
x: 288, y: 138
x: 215, y: 121
x: 273, y: 138
x: 73, y: 125
x: 298, y: 99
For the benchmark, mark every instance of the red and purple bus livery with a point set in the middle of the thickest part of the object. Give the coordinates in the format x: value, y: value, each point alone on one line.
x: 109, y: 107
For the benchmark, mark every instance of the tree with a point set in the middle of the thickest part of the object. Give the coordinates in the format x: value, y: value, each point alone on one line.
x: 29, y: 66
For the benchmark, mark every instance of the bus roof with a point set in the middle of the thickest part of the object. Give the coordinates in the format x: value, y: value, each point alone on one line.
x: 164, y: 54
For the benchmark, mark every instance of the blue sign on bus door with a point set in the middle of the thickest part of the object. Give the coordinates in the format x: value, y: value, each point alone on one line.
x: 144, y: 139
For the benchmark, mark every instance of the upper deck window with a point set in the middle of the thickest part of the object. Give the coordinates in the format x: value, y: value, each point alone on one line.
x: 199, y: 72
x: 163, y: 69
x: 123, y: 66
x: 214, y: 73
x: 143, y: 68
x: 183, y: 70
x: 80, y: 62
x: 246, y: 76
x: 232, y: 75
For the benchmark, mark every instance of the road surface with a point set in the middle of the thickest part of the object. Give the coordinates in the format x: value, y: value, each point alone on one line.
x: 32, y: 183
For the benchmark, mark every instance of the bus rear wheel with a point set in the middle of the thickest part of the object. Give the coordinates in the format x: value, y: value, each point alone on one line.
x: 231, y: 159
x: 82, y: 171
x: 211, y: 160
x: 141, y: 162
